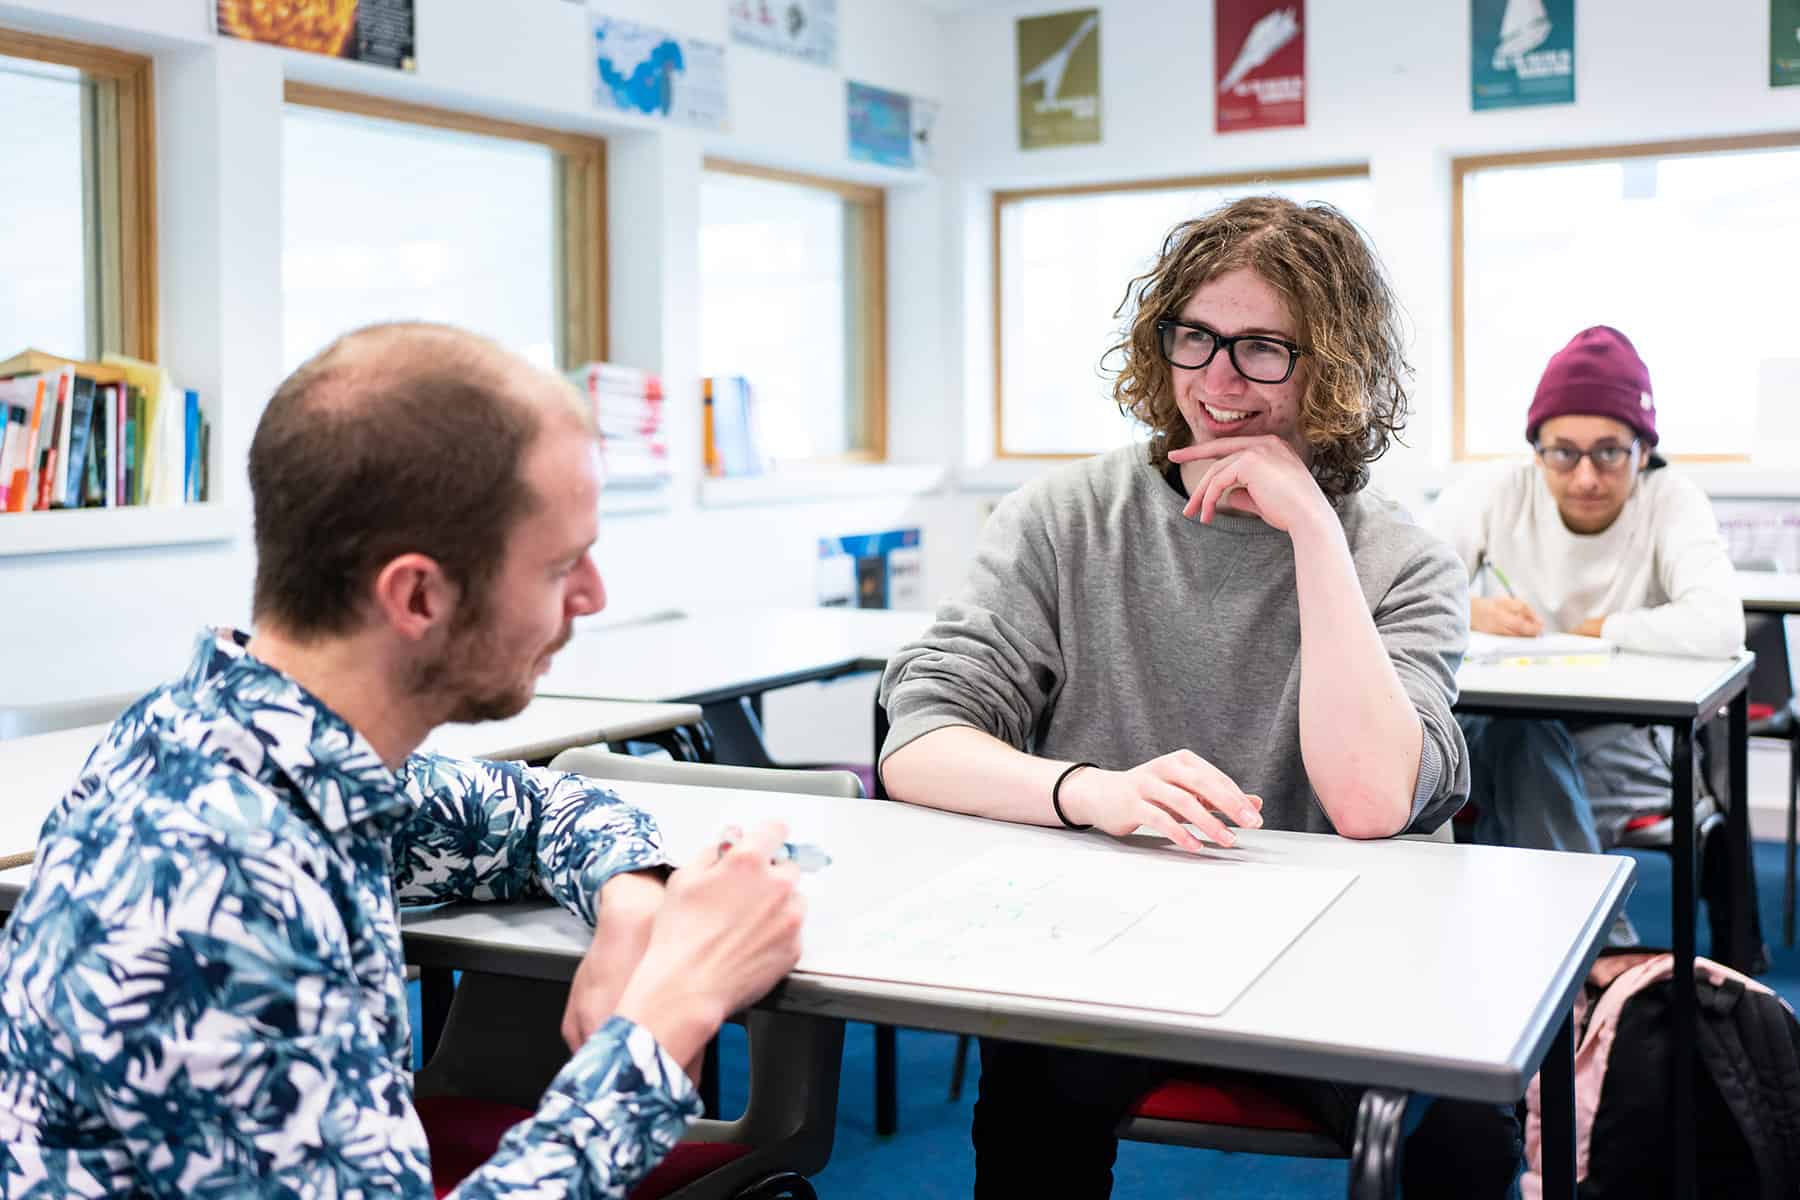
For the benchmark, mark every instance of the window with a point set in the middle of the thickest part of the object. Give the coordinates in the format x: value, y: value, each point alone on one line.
x: 1688, y: 248
x: 395, y: 212
x: 1062, y: 260
x: 792, y: 298
x: 77, y: 242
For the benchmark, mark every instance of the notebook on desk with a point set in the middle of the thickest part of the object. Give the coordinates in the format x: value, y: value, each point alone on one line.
x: 1493, y: 648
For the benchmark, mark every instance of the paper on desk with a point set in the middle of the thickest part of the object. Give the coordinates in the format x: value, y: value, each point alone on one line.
x: 1176, y: 933
x: 1492, y: 648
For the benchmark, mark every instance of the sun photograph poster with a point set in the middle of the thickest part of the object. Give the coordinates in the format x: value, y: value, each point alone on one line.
x: 378, y: 32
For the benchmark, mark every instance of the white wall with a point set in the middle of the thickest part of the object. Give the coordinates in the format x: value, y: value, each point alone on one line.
x: 116, y: 619
x: 1387, y: 84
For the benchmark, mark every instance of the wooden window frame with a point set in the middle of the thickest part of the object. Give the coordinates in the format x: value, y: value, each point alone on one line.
x: 1013, y: 196
x: 125, y: 185
x: 869, y: 309
x: 1460, y: 168
x: 580, y: 217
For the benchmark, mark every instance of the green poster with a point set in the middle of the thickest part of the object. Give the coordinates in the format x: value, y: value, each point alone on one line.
x: 1059, y: 79
x: 1784, y: 43
x: 1522, y: 53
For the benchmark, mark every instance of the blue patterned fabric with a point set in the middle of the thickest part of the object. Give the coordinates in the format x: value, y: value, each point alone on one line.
x: 202, y: 991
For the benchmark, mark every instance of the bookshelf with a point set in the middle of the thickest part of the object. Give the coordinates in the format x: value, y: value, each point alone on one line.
x: 63, y: 531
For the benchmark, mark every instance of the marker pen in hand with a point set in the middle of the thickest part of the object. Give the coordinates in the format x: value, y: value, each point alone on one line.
x: 804, y: 855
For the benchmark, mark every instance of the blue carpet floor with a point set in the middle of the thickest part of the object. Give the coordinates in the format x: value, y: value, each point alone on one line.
x: 930, y: 1158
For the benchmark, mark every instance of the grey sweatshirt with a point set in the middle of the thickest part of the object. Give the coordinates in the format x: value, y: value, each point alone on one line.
x: 1101, y: 625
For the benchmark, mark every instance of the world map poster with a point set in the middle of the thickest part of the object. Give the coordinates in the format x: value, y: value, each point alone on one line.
x: 649, y: 71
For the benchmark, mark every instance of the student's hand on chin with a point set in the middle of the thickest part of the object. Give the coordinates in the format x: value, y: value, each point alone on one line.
x: 1167, y: 794
x: 1262, y: 476
x: 1507, y: 616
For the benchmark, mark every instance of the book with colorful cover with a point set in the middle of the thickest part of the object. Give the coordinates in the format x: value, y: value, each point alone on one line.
x: 25, y: 475
x: 56, y: 403
x: 80, y: 429
x: 12, y: 478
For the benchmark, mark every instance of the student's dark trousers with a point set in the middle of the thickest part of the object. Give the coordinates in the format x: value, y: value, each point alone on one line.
x: 1046, y: 1122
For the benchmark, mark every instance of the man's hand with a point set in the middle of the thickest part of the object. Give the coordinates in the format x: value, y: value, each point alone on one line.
x: 728, y: 930
x: 623, y: 919
x: 1167, y: 794
x: 1590, y: 627
x: 1505, y: 615
x: 1262, y: 476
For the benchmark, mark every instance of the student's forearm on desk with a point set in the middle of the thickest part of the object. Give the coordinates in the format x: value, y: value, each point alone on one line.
x: 1360, y: 735
x: 962, y: 769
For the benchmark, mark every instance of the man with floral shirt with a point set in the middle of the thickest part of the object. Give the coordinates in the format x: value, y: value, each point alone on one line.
x: 202, y: 990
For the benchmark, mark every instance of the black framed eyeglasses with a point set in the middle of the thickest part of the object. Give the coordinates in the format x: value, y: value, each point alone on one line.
x: 1258, y: 357
x: 1609, y: 457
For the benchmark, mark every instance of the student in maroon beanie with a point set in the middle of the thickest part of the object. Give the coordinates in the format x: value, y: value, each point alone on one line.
x: 1597, y: 536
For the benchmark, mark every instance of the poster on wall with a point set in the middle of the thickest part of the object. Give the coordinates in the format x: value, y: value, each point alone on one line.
x: 1522, y: 53
x: 890, y: 128
x: 1059, y: 79
x: 1784, y: 43
x: 645, y: 70
x: 378, y: 32
x: 872, y: 570
x: 1259, y: 60
x: 803, y: 29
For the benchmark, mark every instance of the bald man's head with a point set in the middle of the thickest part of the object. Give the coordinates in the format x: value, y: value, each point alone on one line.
x: 393, y: 439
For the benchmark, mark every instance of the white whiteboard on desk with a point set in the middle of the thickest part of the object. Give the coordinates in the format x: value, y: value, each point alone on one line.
x: 1167, y: 932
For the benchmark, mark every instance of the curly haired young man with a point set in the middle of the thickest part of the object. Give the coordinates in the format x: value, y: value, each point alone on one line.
x: 1226, y: 622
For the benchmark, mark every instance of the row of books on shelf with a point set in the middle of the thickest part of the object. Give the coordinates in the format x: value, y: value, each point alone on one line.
x: 628, y: 411
x: 733, y: 443
x: 110, y: 434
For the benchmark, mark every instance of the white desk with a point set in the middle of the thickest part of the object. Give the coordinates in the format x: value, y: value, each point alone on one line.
x: 725, y: 661
x: 1443, y: 969
x: 1682, y: 693
x: 710, y: 658
x: 551, y: 724
x: 1775, y: 592
x: 36, y: 771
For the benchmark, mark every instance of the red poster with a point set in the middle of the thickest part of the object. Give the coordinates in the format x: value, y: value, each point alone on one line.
x: 1259, y: 51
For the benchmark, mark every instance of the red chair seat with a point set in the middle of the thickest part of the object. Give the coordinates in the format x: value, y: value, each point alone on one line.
x: 1240, y: 1103
x: 463, y: 1133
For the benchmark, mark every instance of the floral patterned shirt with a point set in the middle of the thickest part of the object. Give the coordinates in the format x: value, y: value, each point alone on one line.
x: 202, y: 992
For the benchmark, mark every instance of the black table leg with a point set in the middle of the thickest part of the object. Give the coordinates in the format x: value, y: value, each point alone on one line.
x: 1375, y: 1153
x: 1682, y: 1045
x: 887, y: 1085
x: 1556, y: 1106
x: 437, y: 986
x: 709, y: 1078
x: 1787, y: 889
x: 1741, y: 954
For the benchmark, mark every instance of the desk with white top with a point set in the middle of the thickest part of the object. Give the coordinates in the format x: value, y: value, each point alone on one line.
x: 36, y: 771
x: 725, y: 661
x: 1774, y: 592
x: 1379, y: 991
x: 1683, y: 694
x: 706, y: 658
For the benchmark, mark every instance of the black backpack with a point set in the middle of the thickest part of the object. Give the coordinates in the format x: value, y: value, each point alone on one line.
x: 1746, y: 1084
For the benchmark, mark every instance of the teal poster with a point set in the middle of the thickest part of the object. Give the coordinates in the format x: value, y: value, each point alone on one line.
x: 1523, y: 53
x: 1784, y: 43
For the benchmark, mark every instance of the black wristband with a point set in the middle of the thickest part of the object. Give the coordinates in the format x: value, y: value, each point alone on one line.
x: 1056, y: 799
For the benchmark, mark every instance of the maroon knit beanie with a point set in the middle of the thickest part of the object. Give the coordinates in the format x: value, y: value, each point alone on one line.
x: 1597, y: 374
